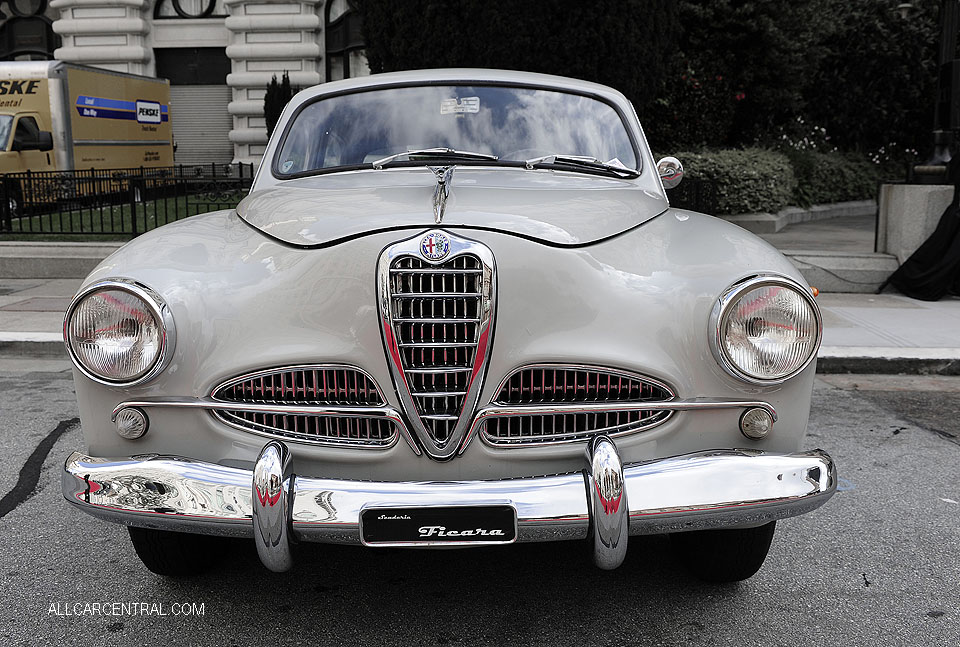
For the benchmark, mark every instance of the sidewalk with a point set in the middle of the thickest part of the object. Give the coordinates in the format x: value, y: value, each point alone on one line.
x: 863, y: 333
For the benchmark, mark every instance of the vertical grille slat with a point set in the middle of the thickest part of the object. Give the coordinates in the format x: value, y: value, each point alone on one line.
x: 438, y: 305
x: 545, y: 385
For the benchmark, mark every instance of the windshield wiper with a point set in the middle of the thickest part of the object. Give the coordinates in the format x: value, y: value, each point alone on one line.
x: 582, y: 161
x: 440, y: 153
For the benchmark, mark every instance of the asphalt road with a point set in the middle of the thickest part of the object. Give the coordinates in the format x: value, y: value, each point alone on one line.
x: 878, y: 565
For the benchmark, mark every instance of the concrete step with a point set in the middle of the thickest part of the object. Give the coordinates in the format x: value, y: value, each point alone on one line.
x: 771, y: 223
x: 831, y: 271
x: 38, y: 260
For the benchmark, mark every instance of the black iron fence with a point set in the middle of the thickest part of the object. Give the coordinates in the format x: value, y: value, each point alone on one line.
x: 116, y: 202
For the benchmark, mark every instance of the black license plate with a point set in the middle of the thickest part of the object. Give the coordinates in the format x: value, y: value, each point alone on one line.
x: 493, y: 524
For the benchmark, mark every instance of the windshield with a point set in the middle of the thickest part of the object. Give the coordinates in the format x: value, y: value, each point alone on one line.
x: 513, y: 124
x: 5, y: 122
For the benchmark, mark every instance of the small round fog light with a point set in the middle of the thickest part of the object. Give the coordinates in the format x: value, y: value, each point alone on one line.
x: 756, y: 423
x: 131, y: 423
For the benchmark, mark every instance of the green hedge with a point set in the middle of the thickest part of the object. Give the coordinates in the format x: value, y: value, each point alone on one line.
x: 759, y: 180
x: 746, y: 181
x: 832, y: 177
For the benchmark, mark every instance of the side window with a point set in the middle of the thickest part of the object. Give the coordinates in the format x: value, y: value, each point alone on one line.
x: 27, y: 131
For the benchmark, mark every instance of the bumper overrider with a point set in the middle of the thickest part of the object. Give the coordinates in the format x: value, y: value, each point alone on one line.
x: 606, y: 502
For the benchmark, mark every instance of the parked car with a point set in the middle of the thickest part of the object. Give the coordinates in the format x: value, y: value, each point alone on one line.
x: 456, y: 309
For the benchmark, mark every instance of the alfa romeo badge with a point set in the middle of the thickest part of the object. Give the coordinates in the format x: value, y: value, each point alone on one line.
x: 434, y: 246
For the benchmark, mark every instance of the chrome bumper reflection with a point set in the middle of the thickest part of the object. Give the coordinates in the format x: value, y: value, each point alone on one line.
x: 702, y: 490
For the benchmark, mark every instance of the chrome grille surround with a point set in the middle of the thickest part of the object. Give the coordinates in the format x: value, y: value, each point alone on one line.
x: 324, y: 404
x: 553, y: 404
x: 437, y: 321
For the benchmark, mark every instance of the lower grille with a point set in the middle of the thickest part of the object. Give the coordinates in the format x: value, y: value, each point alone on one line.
x: 304, y: 387
x: 543, y: 386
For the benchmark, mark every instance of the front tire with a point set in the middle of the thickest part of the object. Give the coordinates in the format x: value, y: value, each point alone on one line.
x: 720, y: 556
x: 175, y: 554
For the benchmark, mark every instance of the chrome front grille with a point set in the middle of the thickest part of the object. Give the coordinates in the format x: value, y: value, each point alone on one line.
x: 436, y: 312
x: 553, y: 393
x: 324, y: 404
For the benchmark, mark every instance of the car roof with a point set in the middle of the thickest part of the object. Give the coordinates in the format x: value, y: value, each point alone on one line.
x: 461, y: 76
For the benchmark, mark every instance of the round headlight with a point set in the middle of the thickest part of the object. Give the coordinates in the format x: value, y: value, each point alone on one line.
x: 117, y: 332
x: 768, y: 329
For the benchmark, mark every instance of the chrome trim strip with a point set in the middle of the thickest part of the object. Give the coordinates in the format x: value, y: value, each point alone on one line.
x: 349, y: 411
x: 434, y: 270
x: 497, y: 411
x: 458, y: 246
x: 726, y: 300
x: 437, y: 295
x: 710, y: 489
x: 158, y: 308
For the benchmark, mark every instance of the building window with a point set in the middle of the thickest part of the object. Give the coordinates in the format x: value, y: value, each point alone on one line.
x: 346, y: 57
x: 28, y: 33
x: 189, y: 9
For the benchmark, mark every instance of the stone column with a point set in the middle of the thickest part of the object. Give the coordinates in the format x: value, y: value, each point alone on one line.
x: 109, y: 34
x: 267, y: 38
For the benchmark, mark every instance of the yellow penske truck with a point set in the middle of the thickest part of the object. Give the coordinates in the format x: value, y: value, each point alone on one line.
x: 55, y: 116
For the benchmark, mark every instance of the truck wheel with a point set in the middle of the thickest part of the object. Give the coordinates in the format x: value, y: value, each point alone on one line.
x: 175, y: 554
x: 719, y: 556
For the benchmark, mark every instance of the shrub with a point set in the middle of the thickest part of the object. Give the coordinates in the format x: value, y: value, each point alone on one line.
x: 746, y: 181
x: 831, y: 177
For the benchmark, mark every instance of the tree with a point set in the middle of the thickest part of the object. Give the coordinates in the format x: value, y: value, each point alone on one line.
x: 764, y: 50
x: 875, y: 83
x: 277, y: 97
x: 625, y: 44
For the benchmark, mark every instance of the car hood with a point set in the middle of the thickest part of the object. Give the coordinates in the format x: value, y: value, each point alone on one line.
x: 555, y: 207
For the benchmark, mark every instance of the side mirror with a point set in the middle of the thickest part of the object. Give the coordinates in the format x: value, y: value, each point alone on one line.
x: 45, y: 140
x: 42, y: 142
x: 671, y: 172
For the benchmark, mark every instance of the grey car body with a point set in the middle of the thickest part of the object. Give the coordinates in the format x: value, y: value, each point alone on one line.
x: 588, y: 274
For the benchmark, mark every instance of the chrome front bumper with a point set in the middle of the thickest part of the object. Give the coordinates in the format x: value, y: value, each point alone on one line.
x: 607, y: 501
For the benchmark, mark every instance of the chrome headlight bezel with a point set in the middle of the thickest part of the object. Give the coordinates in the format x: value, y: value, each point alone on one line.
x: 730, y: 297
x: 158, y: 309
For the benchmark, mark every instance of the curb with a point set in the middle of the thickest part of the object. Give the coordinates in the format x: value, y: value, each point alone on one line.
x: 32, y: 345
x: 888, y: 361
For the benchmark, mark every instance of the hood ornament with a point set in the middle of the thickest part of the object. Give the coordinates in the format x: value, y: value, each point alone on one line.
x: 444, y: 176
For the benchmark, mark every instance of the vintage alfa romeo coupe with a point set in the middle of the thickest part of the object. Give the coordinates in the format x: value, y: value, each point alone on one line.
x: 455, y: 309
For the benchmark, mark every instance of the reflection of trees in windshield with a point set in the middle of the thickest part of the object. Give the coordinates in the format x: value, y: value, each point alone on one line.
x: 5, y: 122
x: 512, y: 123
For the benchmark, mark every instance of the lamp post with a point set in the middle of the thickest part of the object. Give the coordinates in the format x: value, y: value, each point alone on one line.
x: 946, y: 120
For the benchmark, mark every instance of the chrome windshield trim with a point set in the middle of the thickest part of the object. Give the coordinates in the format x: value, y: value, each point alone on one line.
x: 347, y: 411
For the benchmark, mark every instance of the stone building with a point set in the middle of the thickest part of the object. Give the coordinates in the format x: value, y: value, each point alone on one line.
x: 218, y: 54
